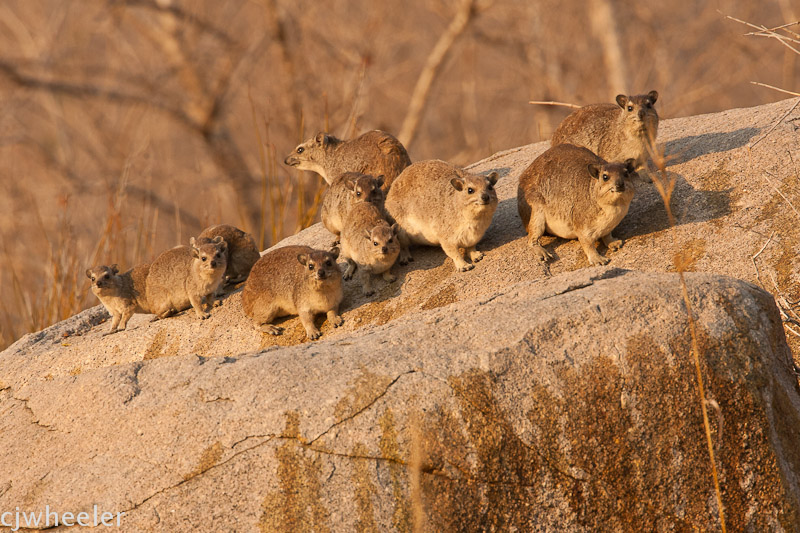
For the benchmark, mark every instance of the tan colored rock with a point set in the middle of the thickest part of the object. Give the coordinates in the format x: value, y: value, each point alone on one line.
x: 562, y: 403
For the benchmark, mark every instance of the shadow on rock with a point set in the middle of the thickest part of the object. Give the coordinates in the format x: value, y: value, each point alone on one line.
x: 687, y: 148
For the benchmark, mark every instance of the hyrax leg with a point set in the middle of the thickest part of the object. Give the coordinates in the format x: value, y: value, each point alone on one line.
x: 261, y: 322
x: 473, y: 254
x: 198, y: 306
x: 453, y: 253
x: 350, y: 270
x: 588, y: 245
x: 611, y: 242
x: 114, y: 322
x: 405, y: 254
x: 535, y: 230
x: 388, y: 276
x: 307, y: 319
x: 335, y: 318
x: 366, y: 282
x: 163, y: 314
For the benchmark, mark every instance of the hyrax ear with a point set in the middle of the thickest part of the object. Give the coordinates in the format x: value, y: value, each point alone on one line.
x: 350, y: 184
x: 380, y: 180
x: 492, y: 177
x: 195, y: 253
x: 622, y: 100
x: 395, y: 227
x: 114, y: 269
x: 367, y: 235
x: 334, y: 252
x: 457, y: 183
x: 630, y: 165
x: 302, y: 259
x: 594, y: 170
x: 653, y: 96
x: 322, y: 138
x: 89, y: 273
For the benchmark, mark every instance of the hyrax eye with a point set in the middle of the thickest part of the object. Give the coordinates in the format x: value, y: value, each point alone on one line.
x: 204, y: 258
x: 358, y: 193
x: 470, y: 190
x: 375, y: 243
x: 300, y: 149
x: 390, y: 240
x: 93, y: 278
x: 605, y: 177
x: 310, y: 266
x: 630, y: 108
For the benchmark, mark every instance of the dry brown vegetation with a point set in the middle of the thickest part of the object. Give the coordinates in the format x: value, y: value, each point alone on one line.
x: 129, y: 125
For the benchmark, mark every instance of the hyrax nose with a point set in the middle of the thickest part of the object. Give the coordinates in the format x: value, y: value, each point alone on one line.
x: 384, y: 249
x: 321, y: 273
x: 213, y: 264
x: 485, y: 197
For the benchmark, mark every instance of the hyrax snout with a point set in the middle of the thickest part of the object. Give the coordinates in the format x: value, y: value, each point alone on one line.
x: 121, y: 294
x: 186, y: 276
x: 615, y: 132
x: 241, y: 252
x: 294, y: 280
x: 436, y: 203
x: 572, y: 193
x: 370, y: 245
x: 347, y: 190
x: 375, y: 152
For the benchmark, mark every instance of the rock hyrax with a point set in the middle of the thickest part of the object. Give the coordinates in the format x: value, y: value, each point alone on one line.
x: 241, y: 252
x: 369, y: 244
x: 186, y: 276
x: 294, y: 280
x: 436, y: 203
x: 571, y: 193
x: 345, y: 191
x: 376, y: 153
x: 615, y: 132
x: 121, y: 294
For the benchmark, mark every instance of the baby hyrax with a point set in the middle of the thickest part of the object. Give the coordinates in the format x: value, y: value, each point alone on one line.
x: 436, y: 203
x: 121, y: 294
x: 376, y: 153
x: 346, y: 191
x: 186, y: 276
x: 241, y: 252
x: 614, y: 132
x: 369, y: 244
x: 571, y: 193
x: 294, y: 280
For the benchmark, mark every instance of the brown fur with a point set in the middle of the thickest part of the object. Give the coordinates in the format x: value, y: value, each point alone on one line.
x: 186, y: 276
x: 347, y: 190
x: 431, y: 203
x: 121, y: 294
x: 241, y: 252
x: 369, y: 244
x: 570, y: 192
x: 376, y: 153
x: 615, y: 132
x: 281, y: 283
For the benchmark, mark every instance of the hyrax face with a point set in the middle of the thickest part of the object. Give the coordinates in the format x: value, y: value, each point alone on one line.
x: 311, y: 154
x: 382, y: 241
x: 366, y: 189
x: 102, y: 277
x: 210, y: 256
x: 476, y: 192
x: 320, y: 265
x: 638, y: 111
x: 613, y: 182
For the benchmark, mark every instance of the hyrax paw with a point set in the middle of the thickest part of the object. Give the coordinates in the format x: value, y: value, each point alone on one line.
x: 111, y: 332
x: 542, y: 254
x: 338, y: 321
x: 314, y: 334
x: 599, y: 261
x: 391, y: 278
x: 475, y: 256
x: 369, y: 292
x: 269, y: 328
x: 203, y: 316
x: 614, y: 245
x: 465, y: 267
x: 217, y: 303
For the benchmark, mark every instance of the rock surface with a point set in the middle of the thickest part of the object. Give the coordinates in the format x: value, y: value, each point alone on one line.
x: 487, y: 400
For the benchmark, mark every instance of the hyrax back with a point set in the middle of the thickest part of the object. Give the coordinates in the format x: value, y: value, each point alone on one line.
x: 294, y: 280
x: 241, y: 252
x: 347, y: 190
x: 369, y: 244
x: 615, y: 132
x: 571, y: 193
x: 186, y: 276
x: 436, y: 203
x: 376, y: 153
x: 121, y: 294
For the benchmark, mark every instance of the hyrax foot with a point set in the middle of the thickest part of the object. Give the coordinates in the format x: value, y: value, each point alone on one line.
x: 335, y: 319
x: 475, y: 255
x: 349, y: 271
x: 614, y: 245
x: 465, y: 267
x: 405, y: 257
x: 314, y: 334
x: 269, y: 328
x: 598, y: 260
x: 540, y: 252
x: 389, y: 277
x: 111, y: 332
